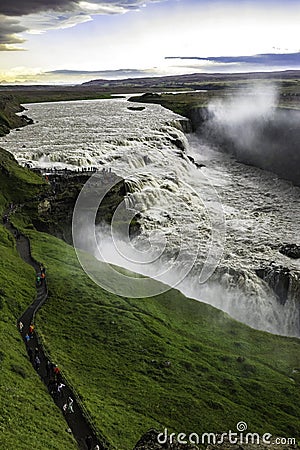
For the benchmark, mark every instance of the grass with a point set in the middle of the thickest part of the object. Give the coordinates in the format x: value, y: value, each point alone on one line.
x: 29, y: 418
x: 17, y: 184
x: 180, y: 103
x: 58, y: 95
x: 163, y: 362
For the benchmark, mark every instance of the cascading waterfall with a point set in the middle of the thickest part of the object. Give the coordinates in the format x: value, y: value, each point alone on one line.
x: 184, y: 209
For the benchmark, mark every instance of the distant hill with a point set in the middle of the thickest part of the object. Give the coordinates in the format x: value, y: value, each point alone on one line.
x: 195, y: 79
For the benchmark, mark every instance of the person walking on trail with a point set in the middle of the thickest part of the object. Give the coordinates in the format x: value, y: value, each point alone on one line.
x: 21, y: 326
x: 31, y: 330
x: 89, y: 442
x: 48, y: 368
x: 27, y: 338
x: 56, y: 371
x: 43, y: 276
x: 60, y: 388
x: 38, y: 280
x: 37, y: 363
x: 70, y: 405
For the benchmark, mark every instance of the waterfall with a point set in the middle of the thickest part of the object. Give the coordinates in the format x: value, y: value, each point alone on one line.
x: 207, y: 222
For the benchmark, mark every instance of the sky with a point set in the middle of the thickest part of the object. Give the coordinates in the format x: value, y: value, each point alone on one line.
x: 71, y: 41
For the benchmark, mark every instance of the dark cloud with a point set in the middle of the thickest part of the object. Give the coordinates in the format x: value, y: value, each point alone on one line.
x: 9, y: 30
x: 105, y: 73
x: 21, y: 7
x: 265, y: 59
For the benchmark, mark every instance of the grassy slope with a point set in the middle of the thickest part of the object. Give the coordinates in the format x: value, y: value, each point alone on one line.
x: 17, y: 184
x: 114, y: 351
x: 9, y: 106
x: 28, y: 418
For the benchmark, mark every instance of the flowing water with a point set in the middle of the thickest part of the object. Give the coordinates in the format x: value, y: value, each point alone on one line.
x: 209, y: 227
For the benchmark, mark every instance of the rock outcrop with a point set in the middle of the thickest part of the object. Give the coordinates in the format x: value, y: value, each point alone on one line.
x: 290, y: 250
x: 54, y: 210
x: 278, y: 278
x: 136, y: 108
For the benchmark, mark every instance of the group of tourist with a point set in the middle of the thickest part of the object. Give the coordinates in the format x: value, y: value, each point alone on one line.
x: 52, y: 377
x: 40, y: 278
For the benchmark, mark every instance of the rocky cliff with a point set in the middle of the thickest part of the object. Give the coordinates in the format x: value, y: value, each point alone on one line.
x: 53, y: 211
x: 9, y: 107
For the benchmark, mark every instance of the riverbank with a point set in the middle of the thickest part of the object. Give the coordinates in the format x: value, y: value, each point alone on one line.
x: 10, y: 118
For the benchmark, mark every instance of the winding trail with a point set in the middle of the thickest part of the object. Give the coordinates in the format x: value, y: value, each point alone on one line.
x: 79, y: 424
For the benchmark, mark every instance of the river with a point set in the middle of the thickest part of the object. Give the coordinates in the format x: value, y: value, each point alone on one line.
x: 211, y: 227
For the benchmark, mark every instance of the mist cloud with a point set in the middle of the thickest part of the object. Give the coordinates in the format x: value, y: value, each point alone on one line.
x: 251, y: 126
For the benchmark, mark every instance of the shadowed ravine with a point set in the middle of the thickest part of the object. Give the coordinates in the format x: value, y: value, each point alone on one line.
x: 78, y: 422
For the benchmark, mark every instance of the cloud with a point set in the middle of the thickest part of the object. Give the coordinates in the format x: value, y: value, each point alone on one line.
x: 19, y: 8
x: 108, y: 74
x: 20, y: 75
x: 36, y: 75
x: 265, y: 59
x: 37, y: 16
x: 234, y: 64
x: 39, y: 23
x: 9, y: 30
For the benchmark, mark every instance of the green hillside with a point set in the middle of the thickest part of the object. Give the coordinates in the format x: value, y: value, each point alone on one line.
x: 28, y: 418
x: 163, y: 362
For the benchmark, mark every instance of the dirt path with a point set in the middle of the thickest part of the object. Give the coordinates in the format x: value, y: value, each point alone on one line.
x: 78, y: 422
